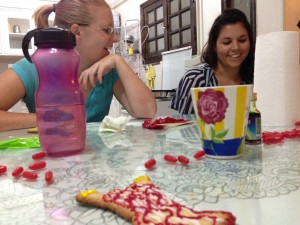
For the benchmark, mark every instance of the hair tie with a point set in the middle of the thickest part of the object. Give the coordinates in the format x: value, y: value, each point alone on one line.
x: 54, y: 7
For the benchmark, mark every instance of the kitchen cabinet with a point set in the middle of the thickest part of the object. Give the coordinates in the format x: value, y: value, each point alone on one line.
x: 14, y: 24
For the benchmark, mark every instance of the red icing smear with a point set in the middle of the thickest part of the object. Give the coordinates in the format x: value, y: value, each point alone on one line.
x: 156, y: 123
x: 146, y: 200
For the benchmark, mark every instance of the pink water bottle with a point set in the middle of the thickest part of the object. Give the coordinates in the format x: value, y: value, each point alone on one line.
x: 59, y: 102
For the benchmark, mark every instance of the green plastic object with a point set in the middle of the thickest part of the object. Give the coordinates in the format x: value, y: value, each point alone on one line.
x: 21, y: 143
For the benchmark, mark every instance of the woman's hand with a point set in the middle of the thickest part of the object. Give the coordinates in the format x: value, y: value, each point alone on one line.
x: 129, y: 90
x: 94, y: 74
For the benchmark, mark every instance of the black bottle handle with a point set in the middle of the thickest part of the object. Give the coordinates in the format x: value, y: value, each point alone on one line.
x: 25, y: 43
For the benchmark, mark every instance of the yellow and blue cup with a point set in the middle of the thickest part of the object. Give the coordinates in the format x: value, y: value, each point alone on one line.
x: 222, y: 115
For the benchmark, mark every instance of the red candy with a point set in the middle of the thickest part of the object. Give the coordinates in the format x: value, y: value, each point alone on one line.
x: 170, y: 158
x: 183, y: 160
x: 276, y: 137
x: 39, y: 155
x: 267, y: 134
x: 297, y: 133
x: 49, y: 177
x: 272, y: 139
x: 18, y: 171
x: 289, y: 134
x: 30, y: 175
x: 297, y: 123
x: 3, y: 169
x: 150, y: 163
x: 37, y: 165
x: 199, y: 154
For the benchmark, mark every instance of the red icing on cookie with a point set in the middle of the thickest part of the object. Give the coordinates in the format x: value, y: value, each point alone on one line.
x: 152, y: 207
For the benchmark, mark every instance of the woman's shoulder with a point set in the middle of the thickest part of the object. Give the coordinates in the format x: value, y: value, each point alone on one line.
x: 203, y: 70
x: 23, y: 66
x: 24, y: 62
x: 27, y: 73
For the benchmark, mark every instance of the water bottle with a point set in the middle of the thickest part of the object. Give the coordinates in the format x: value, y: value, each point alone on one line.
x: 59, y: 102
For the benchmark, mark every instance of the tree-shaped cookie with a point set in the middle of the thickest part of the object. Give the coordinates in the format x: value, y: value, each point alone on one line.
x: 142, y: 203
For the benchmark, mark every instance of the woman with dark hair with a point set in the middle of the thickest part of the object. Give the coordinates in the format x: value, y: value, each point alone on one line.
x: 227, y: 57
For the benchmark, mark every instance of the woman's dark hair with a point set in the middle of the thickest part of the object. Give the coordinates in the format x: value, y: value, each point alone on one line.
x: 209, y: 55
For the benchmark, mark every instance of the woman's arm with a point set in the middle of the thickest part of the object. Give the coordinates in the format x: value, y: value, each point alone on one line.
x: 11, y: 91
x: 182, y: 100
x: 130, y: 90
x: 133, y: 93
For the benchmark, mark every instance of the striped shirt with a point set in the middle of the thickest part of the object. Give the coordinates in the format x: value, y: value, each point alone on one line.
x: 198, y: 77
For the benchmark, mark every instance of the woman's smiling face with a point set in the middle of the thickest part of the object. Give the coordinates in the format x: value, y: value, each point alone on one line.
x: 96, y: 38
x: 232, y: 45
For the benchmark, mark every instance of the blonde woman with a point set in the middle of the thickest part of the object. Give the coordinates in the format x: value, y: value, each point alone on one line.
x: 100, y: 73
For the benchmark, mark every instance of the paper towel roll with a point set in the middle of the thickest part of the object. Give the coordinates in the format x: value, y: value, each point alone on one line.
x: 276, y: 78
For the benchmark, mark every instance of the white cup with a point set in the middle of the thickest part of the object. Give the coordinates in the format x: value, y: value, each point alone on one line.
x: 222, y: 115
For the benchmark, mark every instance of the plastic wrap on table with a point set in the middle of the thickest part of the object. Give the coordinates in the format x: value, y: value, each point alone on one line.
x: 20, y: 143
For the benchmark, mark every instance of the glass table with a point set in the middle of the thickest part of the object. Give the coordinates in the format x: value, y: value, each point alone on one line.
x: 259, y: 188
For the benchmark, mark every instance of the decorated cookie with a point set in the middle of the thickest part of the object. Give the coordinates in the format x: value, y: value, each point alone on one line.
x: 32, y: 130
x: 142, y: 203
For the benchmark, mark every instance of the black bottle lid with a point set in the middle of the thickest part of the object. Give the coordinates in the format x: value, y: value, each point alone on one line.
x: 54, y: 37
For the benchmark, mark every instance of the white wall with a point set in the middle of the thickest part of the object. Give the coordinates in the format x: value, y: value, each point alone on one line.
x: 207, y: 10
x: 269, y: 16
x: 129, y: 10
x: 27, y: 4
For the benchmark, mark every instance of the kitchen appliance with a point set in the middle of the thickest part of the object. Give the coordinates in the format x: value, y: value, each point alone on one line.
x: 173, y: 66
x: 173, y: 69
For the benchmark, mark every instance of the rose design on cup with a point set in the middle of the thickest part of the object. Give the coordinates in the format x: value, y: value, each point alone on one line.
x: 212, y: 107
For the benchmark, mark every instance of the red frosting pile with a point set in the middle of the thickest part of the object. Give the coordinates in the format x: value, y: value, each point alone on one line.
x: 160, y: 122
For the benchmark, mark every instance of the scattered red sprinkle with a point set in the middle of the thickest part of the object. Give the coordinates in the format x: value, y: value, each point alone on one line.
x: 39, y: 155
x: 29, y: 175
x: 199, y: 154
x: 150, y: 163
x: 3, y: 169
x: 37, y: 165
x: 170, y: 158
x: 183, y: 160
x: 49, y: 177
x: 18, y: 171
